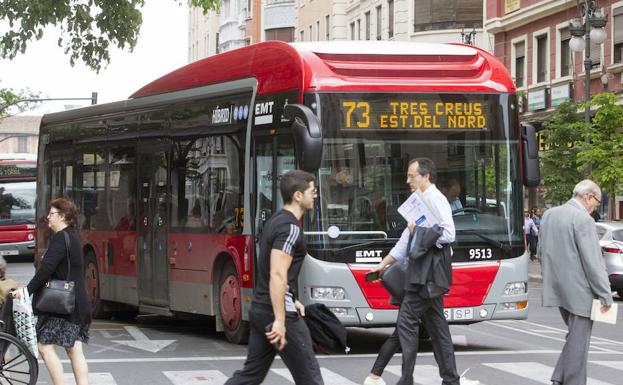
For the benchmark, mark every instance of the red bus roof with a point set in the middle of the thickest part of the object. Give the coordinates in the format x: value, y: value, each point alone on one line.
x: 345, y: 66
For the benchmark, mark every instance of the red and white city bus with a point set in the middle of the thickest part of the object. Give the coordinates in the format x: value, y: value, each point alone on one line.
x: 18, y: 180
x: 174, y: 184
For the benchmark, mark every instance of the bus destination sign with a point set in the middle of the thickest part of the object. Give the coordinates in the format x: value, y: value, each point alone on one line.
x: 400, y: 114
x: 17, y: 171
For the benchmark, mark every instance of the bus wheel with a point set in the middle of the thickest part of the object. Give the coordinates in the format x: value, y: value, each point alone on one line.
x: 620, y: 293
x: 91, y: 280
x: 230, y: 306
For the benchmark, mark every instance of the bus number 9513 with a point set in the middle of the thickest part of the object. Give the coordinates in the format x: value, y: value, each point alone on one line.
x: 480, y: 254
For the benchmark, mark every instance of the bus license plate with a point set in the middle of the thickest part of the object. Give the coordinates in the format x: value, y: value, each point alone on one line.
x: 462, y: 313
x: 9, y: 252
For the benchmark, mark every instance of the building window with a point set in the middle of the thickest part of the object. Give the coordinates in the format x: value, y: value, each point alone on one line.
x: 284, y: 34
x: 22, y: 144
x: 352, y: 31
x: 541, y: 58
x: 217, y: 43
x: 379, y: 23
x: 520, y: 64
x: 311, y: 35
x: 565, y: 52
x: 367, y: 16
x: 317, y: 30
x: 358, y: 29
x: 302, y: 35
x: 617, y: 39
x: 390, y: 18
x: 327, y: 28
x: 595, y: 55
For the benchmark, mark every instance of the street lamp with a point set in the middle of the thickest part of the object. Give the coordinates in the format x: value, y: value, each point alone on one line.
x: 593, y: 29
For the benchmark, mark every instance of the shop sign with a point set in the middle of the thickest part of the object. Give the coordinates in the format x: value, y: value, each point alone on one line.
x: 560, y: 94
x: 536, y: 100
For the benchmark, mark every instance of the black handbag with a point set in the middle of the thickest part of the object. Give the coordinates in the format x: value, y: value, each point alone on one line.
x: 58, y: 296
x: 393, y: 280
x: 395, y: 276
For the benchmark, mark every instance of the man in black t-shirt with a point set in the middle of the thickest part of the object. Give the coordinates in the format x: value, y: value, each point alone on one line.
x: 275, y: 307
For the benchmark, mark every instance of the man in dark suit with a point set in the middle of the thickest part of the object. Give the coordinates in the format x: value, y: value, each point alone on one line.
x: 574, y: 274
x: 429, y: 259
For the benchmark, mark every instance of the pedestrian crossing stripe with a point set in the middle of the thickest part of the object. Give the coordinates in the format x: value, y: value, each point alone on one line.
x: 193, y: 377
x: 423, y: 375
x: 610, y: 364
x: 329, y: 377
x: 94, y: 379
x: 534, y: 371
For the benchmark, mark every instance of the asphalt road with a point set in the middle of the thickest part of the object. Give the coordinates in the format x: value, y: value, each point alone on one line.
x: 153, y: 350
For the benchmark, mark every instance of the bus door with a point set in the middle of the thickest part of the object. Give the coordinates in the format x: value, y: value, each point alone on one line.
x: 274, y: 155
x: 153, y: 205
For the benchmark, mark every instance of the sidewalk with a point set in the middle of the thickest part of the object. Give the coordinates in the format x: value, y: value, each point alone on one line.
x: 534, y: 271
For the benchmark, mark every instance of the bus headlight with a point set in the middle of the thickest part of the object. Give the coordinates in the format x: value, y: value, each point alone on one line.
x: 335, y: 293
x: 339, y: 311
x: 513, y: 288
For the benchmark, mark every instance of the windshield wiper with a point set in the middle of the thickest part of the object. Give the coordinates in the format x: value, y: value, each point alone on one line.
x: 504, y: 246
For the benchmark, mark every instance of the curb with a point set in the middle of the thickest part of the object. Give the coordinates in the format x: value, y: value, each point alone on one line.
x: 535, y: 278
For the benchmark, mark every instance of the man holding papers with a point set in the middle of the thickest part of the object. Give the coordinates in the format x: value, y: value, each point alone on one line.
x: 428, y: 277
x: 573, y: 275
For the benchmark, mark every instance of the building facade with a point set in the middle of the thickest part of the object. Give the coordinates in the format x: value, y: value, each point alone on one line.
x: 440, y: 21
x: 238, y: 23
x: 19, y: 134
x: 531, y: 37
x: 242, y: 22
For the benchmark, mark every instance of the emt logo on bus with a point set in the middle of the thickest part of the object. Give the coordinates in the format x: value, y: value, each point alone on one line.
x: 264, y: 112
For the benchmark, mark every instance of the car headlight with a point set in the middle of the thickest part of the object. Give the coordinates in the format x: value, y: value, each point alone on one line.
x: 334, y: 293
x: 513, y: 288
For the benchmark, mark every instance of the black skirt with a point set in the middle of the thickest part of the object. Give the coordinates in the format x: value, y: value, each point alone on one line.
x: 61, y: 332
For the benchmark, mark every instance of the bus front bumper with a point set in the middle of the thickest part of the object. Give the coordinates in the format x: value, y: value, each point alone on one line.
x: 23, y: 249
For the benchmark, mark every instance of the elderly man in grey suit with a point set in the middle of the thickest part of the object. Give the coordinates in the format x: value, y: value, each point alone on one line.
x: 573, y: 275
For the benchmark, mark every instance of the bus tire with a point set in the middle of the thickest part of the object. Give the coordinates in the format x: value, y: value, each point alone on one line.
x: 620, y: 293
x: 92, y: 283
x: 230, y: 306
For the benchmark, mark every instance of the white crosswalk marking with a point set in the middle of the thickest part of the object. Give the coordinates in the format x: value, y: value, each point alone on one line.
x: 329, y: 377
x: 611, y: 364
x: 193, y: 377
x: 534, y: 371
x: 423, y: 374
x: 94, y: 379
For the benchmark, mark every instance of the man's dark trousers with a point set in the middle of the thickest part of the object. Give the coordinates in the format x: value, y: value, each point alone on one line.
x: 413, y: 311
x: 298, y: 355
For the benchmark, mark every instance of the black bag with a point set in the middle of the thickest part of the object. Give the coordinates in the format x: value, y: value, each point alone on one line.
x: 393, y: 280
x: 395, y: 276
x: 327, y: 332
x: 58, y: 296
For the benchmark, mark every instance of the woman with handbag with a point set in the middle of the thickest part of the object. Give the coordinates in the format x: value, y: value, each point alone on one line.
x: 60, y: 297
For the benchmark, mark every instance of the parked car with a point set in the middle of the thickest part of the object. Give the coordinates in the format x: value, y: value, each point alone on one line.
x: 611, y: 240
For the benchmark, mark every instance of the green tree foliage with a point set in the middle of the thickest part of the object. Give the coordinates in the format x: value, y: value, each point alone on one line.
x: 559, y: 162
x: 603, y: 153
x: 89, y: 28
x: 16, y: 101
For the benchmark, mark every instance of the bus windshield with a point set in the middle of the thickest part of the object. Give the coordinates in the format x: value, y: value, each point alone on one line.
x: 17, y: 203
x: 362, y: 178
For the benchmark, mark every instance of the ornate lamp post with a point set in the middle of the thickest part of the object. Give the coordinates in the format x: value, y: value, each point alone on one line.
x: 592, y: 30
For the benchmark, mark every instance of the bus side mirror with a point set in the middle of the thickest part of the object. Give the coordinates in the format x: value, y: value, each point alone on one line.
x: 530, y: 156
x: 307, y: 136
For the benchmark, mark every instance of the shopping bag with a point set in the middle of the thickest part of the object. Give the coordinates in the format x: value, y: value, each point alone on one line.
x: 25, y: 321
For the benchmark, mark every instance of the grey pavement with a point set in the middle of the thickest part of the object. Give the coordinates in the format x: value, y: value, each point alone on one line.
x: 534, y: 271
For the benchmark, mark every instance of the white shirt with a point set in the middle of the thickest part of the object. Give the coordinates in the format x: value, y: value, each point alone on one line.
x: 438, y: 204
